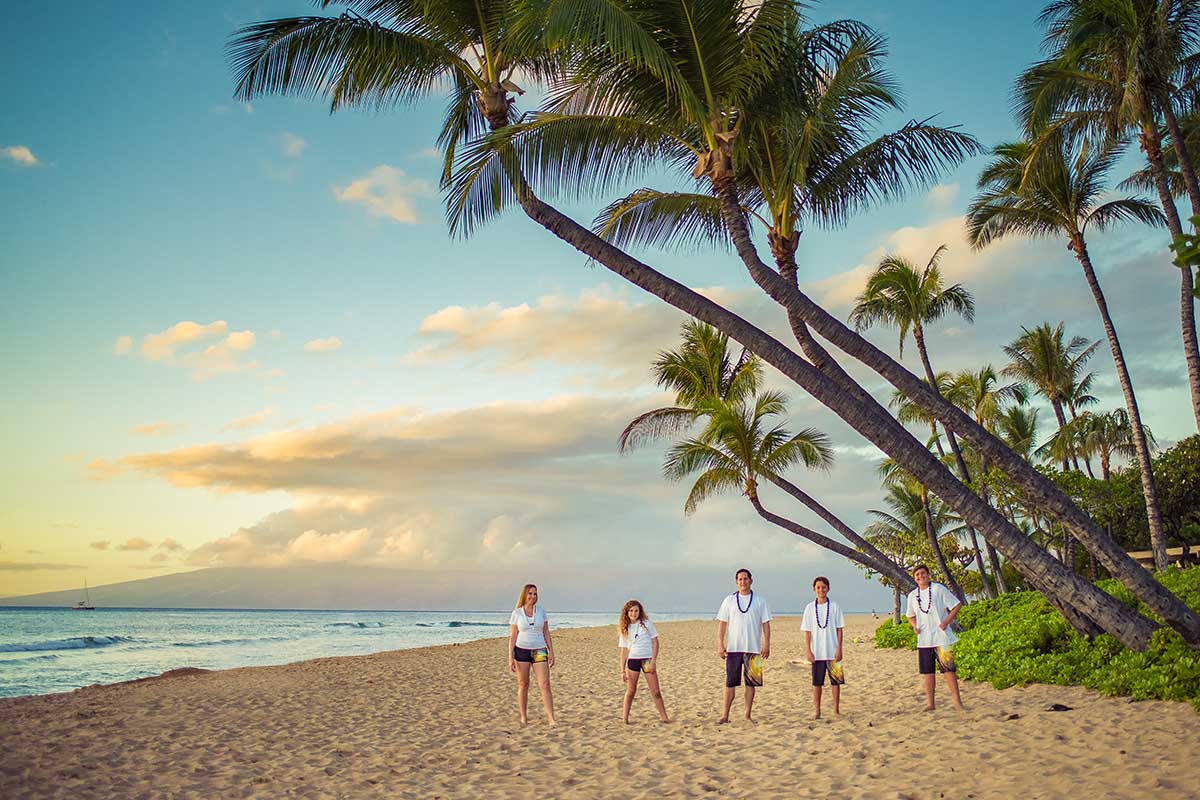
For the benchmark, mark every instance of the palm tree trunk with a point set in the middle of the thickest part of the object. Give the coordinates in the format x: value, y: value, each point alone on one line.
x: 936, y: 548
x: 886, y: 568
x: 897, y: 573
x: 1056, y: 404
x: 896, y: 605
x: 1158, y: 543
x: 872, y: 422
x: 1179, y: 142
x: 1151, y: 143
x: 993, y: 559
x: 1036, y: 488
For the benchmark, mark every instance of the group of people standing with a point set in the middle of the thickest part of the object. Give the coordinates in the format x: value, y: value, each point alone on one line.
x: 743, y: 643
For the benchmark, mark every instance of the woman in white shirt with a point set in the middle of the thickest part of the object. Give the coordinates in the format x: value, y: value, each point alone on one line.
x: 638, y: 643
x: 530, y: 648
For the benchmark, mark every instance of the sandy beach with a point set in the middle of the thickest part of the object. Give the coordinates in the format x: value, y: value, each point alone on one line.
x: 441, y: 723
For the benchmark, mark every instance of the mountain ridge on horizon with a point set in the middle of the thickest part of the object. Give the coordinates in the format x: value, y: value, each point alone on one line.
x: 338, y: 587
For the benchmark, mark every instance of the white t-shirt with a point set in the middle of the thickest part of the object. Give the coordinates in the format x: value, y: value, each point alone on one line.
x: 640, y: 639
x: 824, y: 639
x: 744, y: 634
x: 938, y: 600
x: 529, y: 630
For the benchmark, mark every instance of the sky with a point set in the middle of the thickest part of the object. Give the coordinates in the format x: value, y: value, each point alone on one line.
x: 240, y: 334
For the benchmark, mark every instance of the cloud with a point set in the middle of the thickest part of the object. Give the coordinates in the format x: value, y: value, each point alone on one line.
x: 249, y: 421
x: 942, y: 196
x: 601, y: 334
x: 384, y: 192
x: 293, y: 146
x: 161, y: 428
x: 135, y: 544
x: 123, y: 346
x: 170, y: 545
x: 328, y: 345
x: 182, y: 345
x: 158, y: 558
x: 100, y: 545
x: 33, y: 566
x: 20, y: 155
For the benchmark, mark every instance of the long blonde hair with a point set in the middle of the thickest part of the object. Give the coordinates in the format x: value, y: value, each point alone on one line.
x: 524, y: 594
x: 624, y: 623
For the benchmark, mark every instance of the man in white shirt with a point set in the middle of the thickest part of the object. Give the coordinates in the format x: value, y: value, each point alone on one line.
x: 823, y: 629
x: 744, y: 640
x: 931, y: 610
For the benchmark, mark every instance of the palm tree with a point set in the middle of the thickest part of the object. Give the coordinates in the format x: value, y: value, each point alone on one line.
x: 1017, y: 426
x: 911, y: 519
x: 1059, y: 193
x: 927, y: 514
x: 900, y: 295
x: 1115, y: 66
x: 1110, y: 435
x: 705, y: 377
x: 740, y: 445
x: 657, y: 44
x: 982, y: 395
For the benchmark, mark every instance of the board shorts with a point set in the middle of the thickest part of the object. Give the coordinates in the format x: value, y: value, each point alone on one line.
x: 638, y: 665
x: 831, y: 668
x: 743, y: 665
x: 943, y: 657
x: 531, y: 656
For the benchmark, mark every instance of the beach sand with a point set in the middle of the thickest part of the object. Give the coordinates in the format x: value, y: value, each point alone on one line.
x: 441, y: 722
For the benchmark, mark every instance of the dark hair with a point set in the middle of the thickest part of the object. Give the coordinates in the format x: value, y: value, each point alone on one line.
x: 821, y: 579
x: 740, y: 571
x: 920, y: 567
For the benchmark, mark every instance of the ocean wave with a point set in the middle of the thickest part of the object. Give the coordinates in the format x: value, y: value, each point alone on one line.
x: 73, y: 643
x: 219, y: 642
x: 354, y: 625
x: 459, y: 623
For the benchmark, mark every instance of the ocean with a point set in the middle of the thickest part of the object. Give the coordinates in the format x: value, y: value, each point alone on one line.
x: 45, y: 650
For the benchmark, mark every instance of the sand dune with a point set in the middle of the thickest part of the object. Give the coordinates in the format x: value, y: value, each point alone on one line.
x: 441, y: 722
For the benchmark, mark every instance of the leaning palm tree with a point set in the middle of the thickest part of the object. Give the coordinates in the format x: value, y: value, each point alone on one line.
x: 664, y: 50
x: 1059, y: 193
x: 1115, y: 67
x: 706, y: 378
x: 743, y: 443
x: 906, y: 523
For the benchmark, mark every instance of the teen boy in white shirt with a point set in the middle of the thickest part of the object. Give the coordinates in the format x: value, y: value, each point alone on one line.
x: 931, y: 609
x: 743, y: 640
x: 823, y: 629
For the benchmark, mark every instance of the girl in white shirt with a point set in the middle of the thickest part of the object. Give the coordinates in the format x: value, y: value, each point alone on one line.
x: 638, y: 643
x: 530, y: 648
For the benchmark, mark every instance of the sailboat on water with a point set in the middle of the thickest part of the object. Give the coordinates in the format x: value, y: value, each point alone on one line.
x: 86, y: 603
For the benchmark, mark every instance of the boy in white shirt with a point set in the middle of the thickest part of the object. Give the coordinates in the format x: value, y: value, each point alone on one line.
x: 743, y: 640
x: 823, y: 629
x: 931, y: 609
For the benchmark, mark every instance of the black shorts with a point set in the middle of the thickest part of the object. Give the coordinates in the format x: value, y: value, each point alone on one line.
x: 942, y: 657
x: 530, y: 656
x: 820, y: 669
x: 637, y: 664
x: 739, y: 665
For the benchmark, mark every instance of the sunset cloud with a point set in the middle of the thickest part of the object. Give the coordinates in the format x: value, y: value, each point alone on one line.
x: 100, y: 545
x: 135, y: 544
x: 157, y: 428
x: 170, y: 545
x: 123, y: 346
x: 183, y: 345
x: 20, y: 155
x: 249, y: 421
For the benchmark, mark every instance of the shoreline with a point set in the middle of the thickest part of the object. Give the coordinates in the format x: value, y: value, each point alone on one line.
x: 440, y: 722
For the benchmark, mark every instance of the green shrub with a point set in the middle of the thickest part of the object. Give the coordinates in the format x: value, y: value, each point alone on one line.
x: 1020, y: 638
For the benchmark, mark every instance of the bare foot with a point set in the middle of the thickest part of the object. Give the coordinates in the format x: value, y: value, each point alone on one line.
x: 960, y: 706
x: 723, y: 721
x: 929, y: 708
x: 524, y: 720
x: 664, y: 720
x: 751, y: 721
x: 552, y: 723
x: 817, y: 715
x: 625, y: 720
